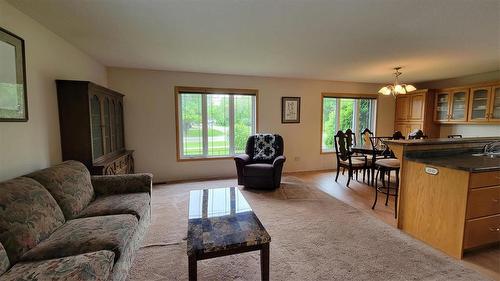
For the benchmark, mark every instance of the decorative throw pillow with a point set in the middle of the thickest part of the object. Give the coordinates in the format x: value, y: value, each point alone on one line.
x: 265, y: 147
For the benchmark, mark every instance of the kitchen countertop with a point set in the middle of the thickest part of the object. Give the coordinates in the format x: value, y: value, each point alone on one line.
x: 459, y: 159
x: 443, y: 141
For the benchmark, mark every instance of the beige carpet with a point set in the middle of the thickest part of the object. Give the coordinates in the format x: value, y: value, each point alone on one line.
x: 314, y: 237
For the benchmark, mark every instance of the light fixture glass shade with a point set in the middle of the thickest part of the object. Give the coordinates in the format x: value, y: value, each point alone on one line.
x: 398, y: 89
x: 410, y: 88
x: 386, y: 91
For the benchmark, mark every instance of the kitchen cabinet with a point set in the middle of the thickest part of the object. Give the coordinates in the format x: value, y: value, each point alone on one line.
x: 468, y: 105
x: 479, y: 99
x: 402, y: 108
x: 494, y: 115
x: 414, y: 112
x: 451, y: 105
x: 416, y: 106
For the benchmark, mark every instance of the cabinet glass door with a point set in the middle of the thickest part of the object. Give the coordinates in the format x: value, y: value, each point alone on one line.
x: 459, y: 101
x: 442, y: 107
x: 495, y: 104
x: 119, y: 126
x: 479, y: 104
x: 95, y: 111
x: 112, y: 124
x: 107, y: 132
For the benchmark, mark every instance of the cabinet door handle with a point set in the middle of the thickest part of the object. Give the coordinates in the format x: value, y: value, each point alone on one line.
x: 495, y: 200
x: 494, y: 229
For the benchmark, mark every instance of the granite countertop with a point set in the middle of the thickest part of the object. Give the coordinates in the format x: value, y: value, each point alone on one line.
x: 456, y: 159
x: 443, y: 141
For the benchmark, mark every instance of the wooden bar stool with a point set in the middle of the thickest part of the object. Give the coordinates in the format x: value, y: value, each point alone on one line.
x: 386, y: 166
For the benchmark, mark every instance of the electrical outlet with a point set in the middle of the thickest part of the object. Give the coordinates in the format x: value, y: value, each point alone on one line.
x: 296, y: 158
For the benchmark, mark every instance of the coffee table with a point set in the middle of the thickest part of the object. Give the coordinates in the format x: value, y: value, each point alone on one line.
x: 221, y: 223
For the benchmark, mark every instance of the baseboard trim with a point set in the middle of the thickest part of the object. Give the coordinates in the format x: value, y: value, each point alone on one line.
x: 231, y: 177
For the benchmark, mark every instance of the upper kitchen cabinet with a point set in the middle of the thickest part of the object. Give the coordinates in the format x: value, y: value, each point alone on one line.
x: 494, y: 115
x: 414, y: 111
x: 467, y: 105
x: 402, y: 108
x: 451, y: 105
x: 479, y: 100
x: 442, y: 106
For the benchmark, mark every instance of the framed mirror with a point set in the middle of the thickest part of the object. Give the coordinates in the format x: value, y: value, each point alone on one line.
x: 13, y: 95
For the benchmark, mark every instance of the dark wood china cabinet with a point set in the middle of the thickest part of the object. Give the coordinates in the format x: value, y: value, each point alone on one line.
x: 91, y: 125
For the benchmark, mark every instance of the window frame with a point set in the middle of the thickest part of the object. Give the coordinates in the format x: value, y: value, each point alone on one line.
x: 178, y: 90
x: 355, y: 110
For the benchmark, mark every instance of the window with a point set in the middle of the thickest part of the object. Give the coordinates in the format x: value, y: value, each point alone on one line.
x: 214, y: 123
x: 342, y: 113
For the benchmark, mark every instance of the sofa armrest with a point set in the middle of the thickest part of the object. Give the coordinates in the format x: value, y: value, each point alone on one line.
x: 242, y: 159
x: 119, y: 184
x: 278, y: 161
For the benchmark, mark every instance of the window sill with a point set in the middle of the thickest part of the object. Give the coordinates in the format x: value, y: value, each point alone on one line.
x: 204, y: 158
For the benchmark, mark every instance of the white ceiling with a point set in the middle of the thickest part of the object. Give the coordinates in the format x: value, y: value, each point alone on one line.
x: 344, y: 40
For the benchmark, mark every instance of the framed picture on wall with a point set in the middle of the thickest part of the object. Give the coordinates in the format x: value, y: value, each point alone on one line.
x: 290, y: 109
x: 13, y: 95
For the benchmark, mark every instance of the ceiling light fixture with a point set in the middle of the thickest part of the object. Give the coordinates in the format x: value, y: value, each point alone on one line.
x: 396, y: 88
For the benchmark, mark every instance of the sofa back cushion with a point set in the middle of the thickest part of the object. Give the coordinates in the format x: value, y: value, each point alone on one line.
x: 28, y: 215
x: 4, y: 260
x: 69, y: 183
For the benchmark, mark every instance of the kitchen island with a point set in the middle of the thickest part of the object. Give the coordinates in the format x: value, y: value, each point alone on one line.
x: 449, y: 192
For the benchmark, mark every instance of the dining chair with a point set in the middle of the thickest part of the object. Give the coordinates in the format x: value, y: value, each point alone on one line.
x: 345, y: 158
x: 379, y: 151
x: 385, y: 166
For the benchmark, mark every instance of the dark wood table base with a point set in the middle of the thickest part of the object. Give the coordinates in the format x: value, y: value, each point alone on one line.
x: 264, y: 259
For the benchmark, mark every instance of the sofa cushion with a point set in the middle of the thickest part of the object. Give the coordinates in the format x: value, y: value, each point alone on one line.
x: 258, y: 170
x: 265, y: 147
x: 130, y: 203
x: 28, y: 215
x: 4, y: 260
x: 69, y: 183
x: 84, y: 267
x: 85, y: 235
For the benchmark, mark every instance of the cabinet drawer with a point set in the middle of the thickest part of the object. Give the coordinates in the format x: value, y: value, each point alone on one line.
x: 482, y: 231
x: 483, y: 202
x: 484, y: 179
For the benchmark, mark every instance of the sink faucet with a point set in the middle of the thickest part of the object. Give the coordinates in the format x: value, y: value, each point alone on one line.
x: 492, y: 147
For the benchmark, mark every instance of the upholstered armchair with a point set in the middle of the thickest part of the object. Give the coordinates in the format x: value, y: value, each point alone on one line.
x: 261, y: 165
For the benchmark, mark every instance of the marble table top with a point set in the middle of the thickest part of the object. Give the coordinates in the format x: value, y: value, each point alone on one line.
x: 221, y: 219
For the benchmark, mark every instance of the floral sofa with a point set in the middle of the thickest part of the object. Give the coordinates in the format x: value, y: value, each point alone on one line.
x: 60, y: 223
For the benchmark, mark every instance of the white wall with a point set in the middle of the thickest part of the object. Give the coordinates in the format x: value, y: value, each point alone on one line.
x: 466, y: 130
x: 150, y: 118
x: 28, y: 146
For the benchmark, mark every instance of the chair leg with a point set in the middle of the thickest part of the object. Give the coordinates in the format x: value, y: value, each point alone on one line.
x: 373, y: 175
x: 376, y: 191
x: 364, y: 172
x: 357, y: 173
x: 338, y: 172
x: 396, y: 195
x: 349, y: 175
x: 388, y: 186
